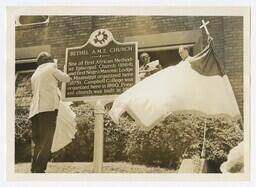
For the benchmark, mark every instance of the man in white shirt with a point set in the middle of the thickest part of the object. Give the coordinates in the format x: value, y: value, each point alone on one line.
x: 145, y: 70
x: 44, y: 108
x: 184, y: 52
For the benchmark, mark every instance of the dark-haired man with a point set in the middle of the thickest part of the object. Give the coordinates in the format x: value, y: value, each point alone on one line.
x: 44, y: 108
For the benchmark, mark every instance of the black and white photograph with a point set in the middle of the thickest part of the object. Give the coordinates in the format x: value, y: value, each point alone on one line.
x: 129, y: 93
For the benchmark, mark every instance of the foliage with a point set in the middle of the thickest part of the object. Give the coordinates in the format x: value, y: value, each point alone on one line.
x: 221, y: 136
x: 81, y: 148
x: 115, y: 137
x: 23, y: 135
x: 176, y: 137
x: 181, y: 136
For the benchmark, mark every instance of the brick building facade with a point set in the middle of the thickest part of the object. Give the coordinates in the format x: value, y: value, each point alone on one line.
x: 62, y: 32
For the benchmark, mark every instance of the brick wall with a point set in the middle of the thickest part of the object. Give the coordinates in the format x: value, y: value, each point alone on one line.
x: 70, y: 31
x: 61, y: 33
x: 233, y: 50
x: 122, y: 27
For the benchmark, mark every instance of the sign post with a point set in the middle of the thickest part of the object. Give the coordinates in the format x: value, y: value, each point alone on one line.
x: 98, y: 137
x: 100, y: 70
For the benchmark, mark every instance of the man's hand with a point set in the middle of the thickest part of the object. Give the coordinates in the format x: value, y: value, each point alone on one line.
x: 209, y: 39
x: 55, y: 61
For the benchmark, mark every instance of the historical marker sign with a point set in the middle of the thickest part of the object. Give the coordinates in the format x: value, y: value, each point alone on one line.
x: 102, y: 68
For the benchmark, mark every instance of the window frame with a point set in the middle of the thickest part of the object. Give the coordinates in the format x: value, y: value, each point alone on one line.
x: 18, y: 24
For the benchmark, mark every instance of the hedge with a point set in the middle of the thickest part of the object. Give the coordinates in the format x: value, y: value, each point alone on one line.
x: 177, y: 137
x: 23, y: 135
x: 180, y: 136
x: 81, y: 148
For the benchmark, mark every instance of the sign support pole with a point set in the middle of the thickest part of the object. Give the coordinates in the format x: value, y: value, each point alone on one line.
x: 98, y: 137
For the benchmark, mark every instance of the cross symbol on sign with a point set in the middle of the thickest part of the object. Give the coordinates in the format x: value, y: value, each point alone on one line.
x: 205, y: 27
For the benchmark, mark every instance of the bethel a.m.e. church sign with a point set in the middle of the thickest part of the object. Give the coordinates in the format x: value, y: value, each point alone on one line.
x: 101, y: 69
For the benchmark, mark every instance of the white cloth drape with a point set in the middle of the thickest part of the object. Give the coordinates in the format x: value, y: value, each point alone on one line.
x: 235, y: 162
x: 175, y: 89
x: 65, y: 127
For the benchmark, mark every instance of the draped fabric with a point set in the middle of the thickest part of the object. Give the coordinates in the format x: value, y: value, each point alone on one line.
x: 65, y: 127
x: 196, y: 84
x: 235, y: 160
x: 207, y: 63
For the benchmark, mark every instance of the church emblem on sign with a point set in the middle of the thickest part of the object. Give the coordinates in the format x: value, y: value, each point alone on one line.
x: 101, y: 37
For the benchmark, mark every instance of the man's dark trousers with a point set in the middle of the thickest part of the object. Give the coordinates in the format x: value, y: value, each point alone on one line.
x: 43, y: 128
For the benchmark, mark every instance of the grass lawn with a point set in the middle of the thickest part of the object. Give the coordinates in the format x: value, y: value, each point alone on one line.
x: 86, y: 167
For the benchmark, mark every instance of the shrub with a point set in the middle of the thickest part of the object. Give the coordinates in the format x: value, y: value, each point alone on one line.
x: 23, y: 135
x: 221, y: 136
x: 115, y: 137
x: 81, y: 148
x: 177, y: 137
x: 181, y: 136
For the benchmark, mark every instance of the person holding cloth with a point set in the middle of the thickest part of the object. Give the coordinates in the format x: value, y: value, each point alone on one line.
x: 148, y: 68
x: 44, y: 108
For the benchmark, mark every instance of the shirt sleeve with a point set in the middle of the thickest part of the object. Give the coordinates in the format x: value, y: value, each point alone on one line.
x: 60, y: 76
